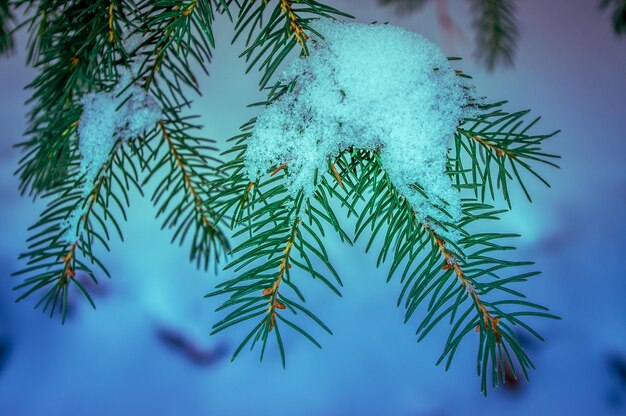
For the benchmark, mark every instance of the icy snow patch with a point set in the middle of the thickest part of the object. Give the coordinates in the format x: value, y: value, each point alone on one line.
x: 108, y: 119
x: 372, y: 87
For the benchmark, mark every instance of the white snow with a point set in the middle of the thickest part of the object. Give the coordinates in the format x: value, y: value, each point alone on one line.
x: 109, y: 119
x: 372, y: 87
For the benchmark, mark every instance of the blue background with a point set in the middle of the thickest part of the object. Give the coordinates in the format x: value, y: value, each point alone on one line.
x: 123, y: 359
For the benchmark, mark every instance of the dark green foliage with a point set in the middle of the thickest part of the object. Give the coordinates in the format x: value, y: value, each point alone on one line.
x: 6, y: 37
x: 72, y: 59
x: 497, y: 147
x: 618, y: 14
x: 269, y: 42
x: 471, y: 285
x: 51, y: 261
x: 430, y: 287
x: 81, y: 47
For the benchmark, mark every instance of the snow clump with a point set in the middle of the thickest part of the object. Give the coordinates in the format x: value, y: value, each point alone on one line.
x: 108, y: 119
x: 367, y: 86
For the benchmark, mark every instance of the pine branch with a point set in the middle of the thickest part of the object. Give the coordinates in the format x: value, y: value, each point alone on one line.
x: 70, y: 46
x: 187, y: 162
x: 268, y: 44
x: 74, y: 60
x: 496, y: 31
x: 52, y: 259
x: 173, y: 35
x: 427, y: 261
x: 283, y: 233
x: 498, y: 146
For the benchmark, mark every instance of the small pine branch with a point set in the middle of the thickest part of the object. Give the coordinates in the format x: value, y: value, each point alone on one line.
x: 175, y: 34
x: 74, y: 60
x: 428, y: 261
x: 283, y: 233
x: 461, y: 282
x: 269, y: 43
x: 52, y: 260
x: 497, y: 147
x: 187, y: 163
x: 71, y: 60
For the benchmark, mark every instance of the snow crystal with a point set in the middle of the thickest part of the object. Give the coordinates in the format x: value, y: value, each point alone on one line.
x: 372, y: 87
x: 108, y: 119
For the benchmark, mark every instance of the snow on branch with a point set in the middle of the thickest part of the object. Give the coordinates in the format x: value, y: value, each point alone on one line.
x: 109, y: 119
x: 376, y: 87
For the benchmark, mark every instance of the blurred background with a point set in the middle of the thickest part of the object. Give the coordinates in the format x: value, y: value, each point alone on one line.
x: 146, y: 349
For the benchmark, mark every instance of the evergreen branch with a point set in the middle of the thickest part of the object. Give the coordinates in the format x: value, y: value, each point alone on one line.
x: 188, y: 170
x: 175, y: 33
x: 268, y: 44
x: 618, y: 15
x: 295, y: 28
x: 282, y: 233
x: 426, y: 272
x: 72, y: 59
x: 272, y: 292
x: 498, y: 144
x: 496, y: 31
x: 52, y: 259
x: 451, y: 262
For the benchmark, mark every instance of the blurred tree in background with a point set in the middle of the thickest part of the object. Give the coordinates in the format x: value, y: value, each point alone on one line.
x: 495, y: 24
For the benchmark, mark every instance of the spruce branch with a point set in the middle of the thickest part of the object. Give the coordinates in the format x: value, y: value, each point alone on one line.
x: 499, y: 146
x: 173, y: 35
x: 268, y: 44
x: 478, y: 299
x: 283, y: 234
x: 52, y: 260
x: 111, y: 40
x: 427, y: 260
x: 72, y: 60
x: 187, y: 161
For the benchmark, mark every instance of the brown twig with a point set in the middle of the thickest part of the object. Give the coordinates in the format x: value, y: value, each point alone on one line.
x: 490, y: 322
x: 186, y: 178
x: 111, y: 17
x: 295, y: 27
x: 499, y: 150
x: 272, y: 291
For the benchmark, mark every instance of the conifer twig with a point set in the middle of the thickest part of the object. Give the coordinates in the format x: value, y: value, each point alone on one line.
x: 273, y: 291
x: 186, y: 178
x: 294, y: 25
